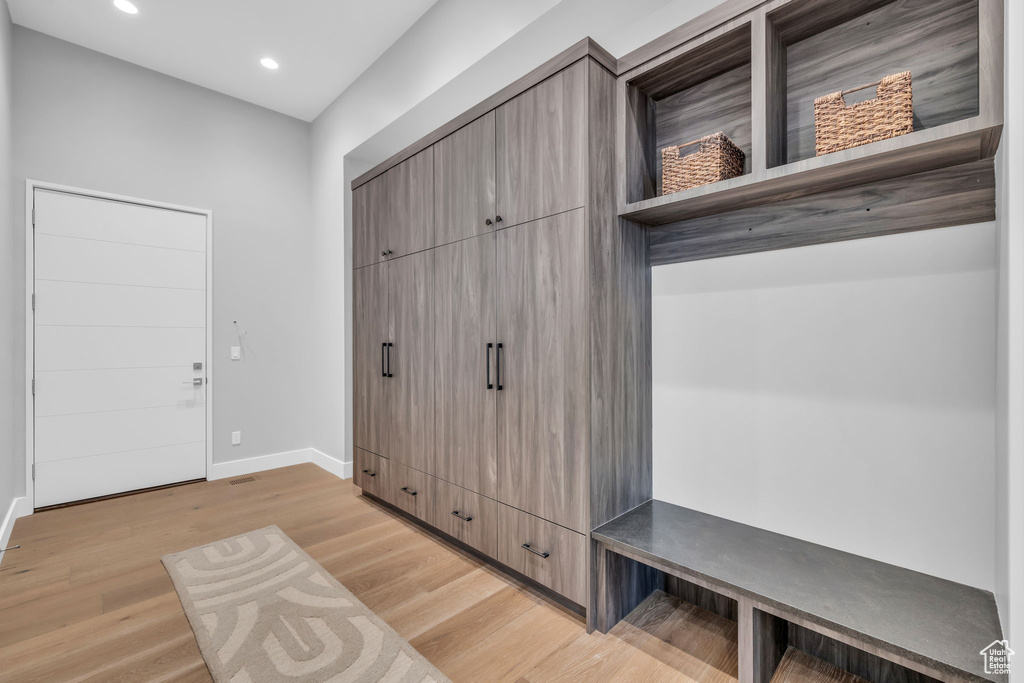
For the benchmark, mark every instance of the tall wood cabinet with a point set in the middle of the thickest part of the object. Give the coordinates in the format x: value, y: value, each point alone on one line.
x: 490, y: 364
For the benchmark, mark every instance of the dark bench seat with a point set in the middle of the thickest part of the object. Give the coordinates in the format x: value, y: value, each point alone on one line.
x: 934, y: 626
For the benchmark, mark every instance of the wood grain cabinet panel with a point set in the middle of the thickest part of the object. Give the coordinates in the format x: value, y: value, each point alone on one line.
x: 542, y: 148
x: 410, y: 189
x: 543, y: 404
x: 464, y: 171
x: 563, y: 569
x: 370, y: 219
x: 467, y: 516
x: 412, y: 491
x: 370, y: 410
x: 410, y: 401
x: 464, y: 399
x: 370, y: 473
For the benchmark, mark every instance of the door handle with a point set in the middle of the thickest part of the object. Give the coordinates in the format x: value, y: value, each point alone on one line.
x: 383, y: 367
x: 389, y: 345
x: 197, y: 382
x: 464, y: 518
x: 372, y: 474
x: 537, y: 552
x: 411, y: 493
x: 498, y: 364
x: 489, y: 347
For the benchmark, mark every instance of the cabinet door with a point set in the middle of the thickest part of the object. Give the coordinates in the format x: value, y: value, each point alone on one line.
x: 543, y: 405
x: 369, y: 221
x: 464, y: 401
x: 410, y: 200
x: 541, y: 148
x: 370, y: 473
x: 464, y: 182
x: 370, y: 333
x: 410, y: 409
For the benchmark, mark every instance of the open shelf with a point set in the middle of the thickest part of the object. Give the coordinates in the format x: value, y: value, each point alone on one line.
x: 822, y: 50
x: 798, y: 51
x: 688, y: 97
x: 793, y: 653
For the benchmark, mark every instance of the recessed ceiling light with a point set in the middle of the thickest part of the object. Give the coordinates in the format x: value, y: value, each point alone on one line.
x: 269, y: 63
x: 126, y: 7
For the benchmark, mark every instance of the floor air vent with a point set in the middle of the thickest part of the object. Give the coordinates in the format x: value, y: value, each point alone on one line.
x: 243, y: 480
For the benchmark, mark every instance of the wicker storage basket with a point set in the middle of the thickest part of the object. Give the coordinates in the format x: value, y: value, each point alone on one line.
x: 716, y: 159
x: 839, y: 126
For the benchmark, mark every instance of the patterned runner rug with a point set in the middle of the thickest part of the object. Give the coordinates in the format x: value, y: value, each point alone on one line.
x: 263, y: 610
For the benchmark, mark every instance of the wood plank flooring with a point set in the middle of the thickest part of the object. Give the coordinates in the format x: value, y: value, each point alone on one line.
x: 86, y: 598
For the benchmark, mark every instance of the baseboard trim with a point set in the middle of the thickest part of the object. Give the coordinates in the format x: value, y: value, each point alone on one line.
x: 16, y: 510
x: 236, y: 468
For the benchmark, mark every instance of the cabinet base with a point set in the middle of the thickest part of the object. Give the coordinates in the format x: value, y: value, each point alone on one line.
x: 545, y: 592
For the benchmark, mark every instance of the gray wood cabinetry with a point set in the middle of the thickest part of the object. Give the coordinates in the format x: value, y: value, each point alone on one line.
x: 544, y: 397
x: 370, y: 472
x: 393, y: 214
x: 465, y: 385
x: 512, y: 352
x: 547, y: 553
x: 467, y: 516
x: 410, y: 187
x: 370, y: 208
x: 369, y: 357
x: 542, y: 148
x: 464, y: 182
x: 410, y: 404
x: 412, y: 491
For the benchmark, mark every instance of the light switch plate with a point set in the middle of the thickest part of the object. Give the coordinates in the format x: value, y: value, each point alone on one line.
x: 236, y: 353
x: 236, y: 438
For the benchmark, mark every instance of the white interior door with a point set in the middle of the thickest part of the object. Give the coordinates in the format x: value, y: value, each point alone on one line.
x: 120, y: 346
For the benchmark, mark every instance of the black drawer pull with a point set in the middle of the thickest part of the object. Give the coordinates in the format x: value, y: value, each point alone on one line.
x: 488, y: 221
x: 537, y: 552
x: 411, y: 493
x: 462, y: 517
x: 383, y: 353
x: 490, y: 346
x: 497, y: 219
x: 372, y: 474
x: 389, y: 345
x: 498, y: 364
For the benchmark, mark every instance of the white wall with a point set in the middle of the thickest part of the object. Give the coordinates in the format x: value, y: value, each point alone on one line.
x: 92, y: 121
x: 8, y: 259
x: 843, y: 394
x: 460, y: 53
x: 1010, y: 414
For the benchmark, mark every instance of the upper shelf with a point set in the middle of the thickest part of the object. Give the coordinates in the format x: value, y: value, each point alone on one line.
x: 756, y: 76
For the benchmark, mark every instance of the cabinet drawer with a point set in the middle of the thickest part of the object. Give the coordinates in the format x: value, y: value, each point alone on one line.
x: 412, y: 491
x: 555, y: 556
x: 468, y: 516
x: 371, y: 473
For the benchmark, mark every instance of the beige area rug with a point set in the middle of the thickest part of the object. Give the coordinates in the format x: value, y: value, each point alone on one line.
x: 264, y: 610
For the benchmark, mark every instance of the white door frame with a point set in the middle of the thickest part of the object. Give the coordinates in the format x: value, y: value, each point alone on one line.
x: 30, y: 329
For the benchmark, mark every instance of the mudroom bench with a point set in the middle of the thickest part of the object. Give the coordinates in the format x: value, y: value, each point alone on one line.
x: 794, y: 598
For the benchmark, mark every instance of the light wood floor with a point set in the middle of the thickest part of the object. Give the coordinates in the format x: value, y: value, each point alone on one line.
x: 86, y: 598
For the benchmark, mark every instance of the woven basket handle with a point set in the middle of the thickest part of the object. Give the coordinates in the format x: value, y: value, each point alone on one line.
x: 859, y: 87
x: 687, y: 144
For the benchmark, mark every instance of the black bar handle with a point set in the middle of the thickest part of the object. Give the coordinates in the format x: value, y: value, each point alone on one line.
x: 462, y: 517
x: 389, y: 345
x: 383, y: 367
x: 498, y: 363
x: 411, y: 493
x: 537, y: 552
x: 372, y: 474
x: 490, y: 346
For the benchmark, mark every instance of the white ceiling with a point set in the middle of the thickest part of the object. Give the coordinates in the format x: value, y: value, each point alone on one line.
x: 321, y: 45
